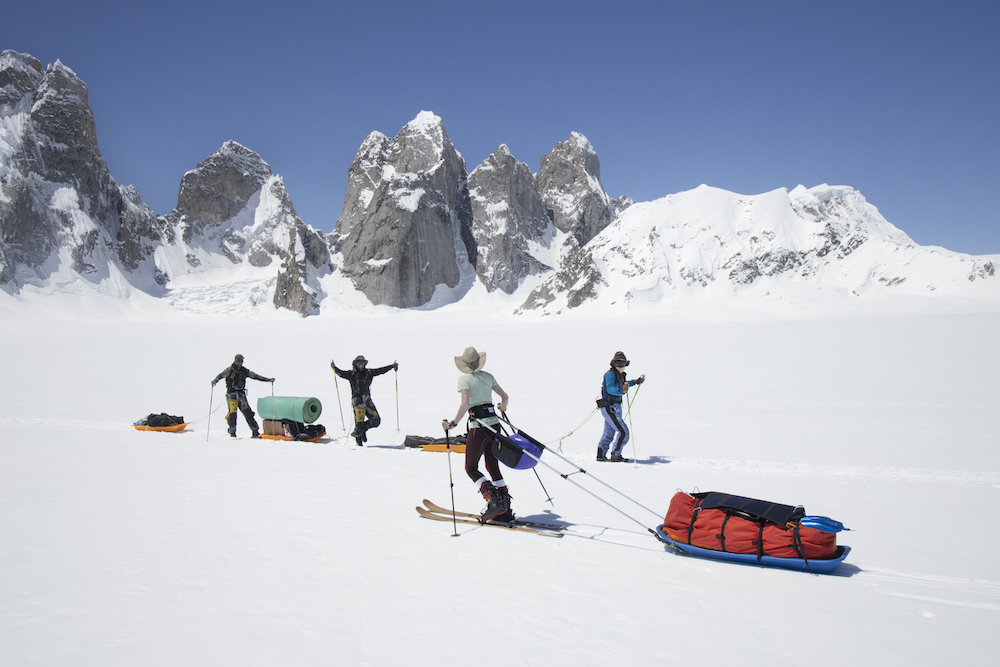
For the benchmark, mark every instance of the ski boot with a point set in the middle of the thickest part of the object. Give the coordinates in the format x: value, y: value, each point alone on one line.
x: 507, y: 516
x: 498, y: 503
x: 618, y: 458
x: 255, y: 434
x: 600, y: 455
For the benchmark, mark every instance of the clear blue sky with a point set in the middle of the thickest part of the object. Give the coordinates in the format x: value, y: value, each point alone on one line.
x: 900, y: 100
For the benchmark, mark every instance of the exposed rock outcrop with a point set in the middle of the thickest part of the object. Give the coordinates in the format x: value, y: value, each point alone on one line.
x: 569, y: 181
x: 59, y: 205
x: 511, y: 226
x: 297, y: 287
x: 406, y: 228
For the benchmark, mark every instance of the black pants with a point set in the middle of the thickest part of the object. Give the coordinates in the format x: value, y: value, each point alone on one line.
x: 237, y: 400
x: 364, y: 408
x: 477, y: 445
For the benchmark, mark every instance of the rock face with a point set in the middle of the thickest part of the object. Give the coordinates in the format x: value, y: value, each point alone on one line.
x: 406, y: 228
x: 297, y: 287
x: 59, y: 205
x: 513, y: 232
x: 231, y: 209
x: 64, y: 218
x: 569, y: 181
x: 219, y: 188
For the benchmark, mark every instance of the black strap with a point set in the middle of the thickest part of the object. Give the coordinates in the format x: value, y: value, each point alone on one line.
x: 694, y: 517
x: 722, y: 531
x: 760, y: 541
x: 482, y: 411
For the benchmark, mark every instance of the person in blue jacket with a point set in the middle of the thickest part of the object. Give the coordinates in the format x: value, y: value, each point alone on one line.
x: 613, y: 388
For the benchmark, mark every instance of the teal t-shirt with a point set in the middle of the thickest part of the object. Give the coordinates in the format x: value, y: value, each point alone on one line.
x: 480, y: 386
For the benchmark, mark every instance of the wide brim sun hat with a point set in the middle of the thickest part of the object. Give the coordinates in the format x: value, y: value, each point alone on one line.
x: 471, y: 361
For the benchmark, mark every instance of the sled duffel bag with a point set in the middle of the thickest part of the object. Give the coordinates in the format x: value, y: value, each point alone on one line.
x: 740, y: 525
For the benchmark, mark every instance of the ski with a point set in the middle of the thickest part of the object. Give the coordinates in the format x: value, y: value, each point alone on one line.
x: 437, y: 509
x: 518, y: 529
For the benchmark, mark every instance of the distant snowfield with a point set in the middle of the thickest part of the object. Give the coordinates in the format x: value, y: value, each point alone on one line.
x: 129, y: 548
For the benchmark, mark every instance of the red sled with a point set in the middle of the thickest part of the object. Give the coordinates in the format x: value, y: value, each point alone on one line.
x: 745, y: 530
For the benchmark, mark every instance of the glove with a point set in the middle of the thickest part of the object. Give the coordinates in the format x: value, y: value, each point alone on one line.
x: 271, y: 380
x: 213, y: 382
x: 395, y: 366
x: 642, y: 378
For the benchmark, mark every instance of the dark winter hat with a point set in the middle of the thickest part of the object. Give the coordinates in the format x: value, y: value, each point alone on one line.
x: 619, y: 358
x: 360, y: 360
x: 239, y: 357
x: 471, y: 361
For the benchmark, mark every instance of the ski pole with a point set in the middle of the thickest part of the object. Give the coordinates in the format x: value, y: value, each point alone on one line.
x: 208, y: 426
x: 451, y: 482
x: 548, y: 498
x: 631, y: 430
x: 396, y: 371
x: 339, y: 406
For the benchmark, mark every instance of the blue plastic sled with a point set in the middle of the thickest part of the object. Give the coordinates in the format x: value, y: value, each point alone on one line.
x: 817, y: 565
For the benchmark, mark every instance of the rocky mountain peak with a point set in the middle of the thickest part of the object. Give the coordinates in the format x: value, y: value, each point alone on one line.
x: 569, y: 181
x: 406, y: 226
x: 220, y: 187
x: 510, y: 222
x: 19, y: 76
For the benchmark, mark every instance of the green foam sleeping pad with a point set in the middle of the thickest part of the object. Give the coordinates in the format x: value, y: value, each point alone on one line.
x: 297, y: 409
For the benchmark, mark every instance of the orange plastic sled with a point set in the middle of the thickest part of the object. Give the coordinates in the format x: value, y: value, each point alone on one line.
x: 318, y: 438
x: 176, y: 428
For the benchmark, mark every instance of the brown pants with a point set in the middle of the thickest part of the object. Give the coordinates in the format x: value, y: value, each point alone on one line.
x: 478, y: 445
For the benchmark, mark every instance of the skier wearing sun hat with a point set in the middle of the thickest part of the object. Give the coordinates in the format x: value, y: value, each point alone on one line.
x: 612, y: 389
x: 477, y: 388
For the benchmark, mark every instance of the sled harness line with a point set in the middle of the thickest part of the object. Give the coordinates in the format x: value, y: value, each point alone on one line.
x: 580, y: 425
x: 566, y: 476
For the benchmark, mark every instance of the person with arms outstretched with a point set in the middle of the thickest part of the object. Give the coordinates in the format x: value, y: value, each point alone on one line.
x: 236, y: 394
x: 360, y: 376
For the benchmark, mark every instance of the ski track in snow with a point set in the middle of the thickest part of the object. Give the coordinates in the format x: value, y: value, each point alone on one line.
x: 882, y: 579
x: 853, y: 473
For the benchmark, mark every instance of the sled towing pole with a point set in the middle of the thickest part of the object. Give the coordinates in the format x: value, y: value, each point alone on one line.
x: 579, y: 469
x: 451, y: 482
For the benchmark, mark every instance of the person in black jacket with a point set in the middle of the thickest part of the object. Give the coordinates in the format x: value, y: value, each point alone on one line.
x: 360, y: 377
x: 236, y: 393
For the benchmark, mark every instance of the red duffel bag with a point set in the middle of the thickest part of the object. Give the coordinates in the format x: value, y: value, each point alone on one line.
x: 735, y: 524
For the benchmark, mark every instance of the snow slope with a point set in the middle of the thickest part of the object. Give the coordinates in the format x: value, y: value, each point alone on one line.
x: 126, y: 548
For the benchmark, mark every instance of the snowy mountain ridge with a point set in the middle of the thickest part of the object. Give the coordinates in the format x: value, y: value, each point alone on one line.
x: 826, y: 239
x: 419, y: 231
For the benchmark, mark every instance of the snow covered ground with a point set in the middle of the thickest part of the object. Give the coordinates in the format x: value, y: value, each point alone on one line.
x: 126, y: 548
